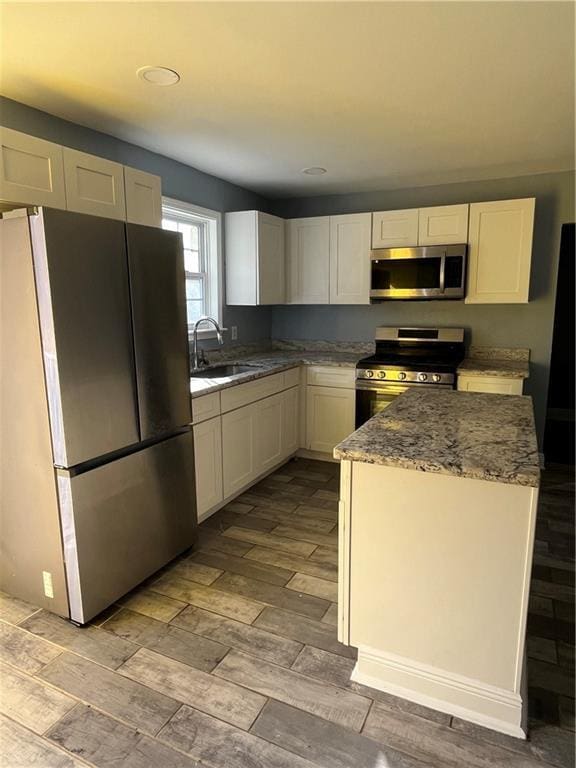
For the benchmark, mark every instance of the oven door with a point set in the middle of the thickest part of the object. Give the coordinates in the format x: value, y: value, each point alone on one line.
x: 371, y: 398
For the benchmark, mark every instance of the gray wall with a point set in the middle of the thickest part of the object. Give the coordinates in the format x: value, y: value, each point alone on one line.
x: 521, y: 325
x: 179, y: 181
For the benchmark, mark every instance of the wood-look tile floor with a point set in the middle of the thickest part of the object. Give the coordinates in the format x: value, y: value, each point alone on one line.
x: 228, y: 658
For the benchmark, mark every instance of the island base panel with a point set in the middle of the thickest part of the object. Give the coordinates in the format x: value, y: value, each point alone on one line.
x: 435, y: 573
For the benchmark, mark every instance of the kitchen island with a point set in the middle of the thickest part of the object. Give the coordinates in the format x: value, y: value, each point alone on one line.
x: 437, y: 515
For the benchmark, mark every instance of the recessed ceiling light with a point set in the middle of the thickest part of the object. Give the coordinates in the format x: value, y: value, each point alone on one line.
x: 314, y: 171
x: 158, y: 75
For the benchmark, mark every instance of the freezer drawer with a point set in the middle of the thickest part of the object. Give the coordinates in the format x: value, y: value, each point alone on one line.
x: 81, y: 273
x: 157, y: 286
x: 124, y: 520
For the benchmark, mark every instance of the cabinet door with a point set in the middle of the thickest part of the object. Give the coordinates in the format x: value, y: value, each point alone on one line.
x: 350, y: 259
x: 271, y: 265
x: 31, y: 170
x: 238, y: 440
x: 208, y: 465
x: 268, y: 432
x: 94, y: 185
x: 308, y: 256
x: 143, y: 197
x: 500, y: 251
x: 395, y: 229
x: 290, y: 421
x: 496, y: 385
x: 443, y: 225
x: 330, y: 417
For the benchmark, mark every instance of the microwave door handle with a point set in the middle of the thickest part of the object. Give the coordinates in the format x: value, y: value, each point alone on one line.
x: 442, y: 272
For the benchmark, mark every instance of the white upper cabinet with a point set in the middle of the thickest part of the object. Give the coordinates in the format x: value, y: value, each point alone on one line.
x: 500, y: 251
x: 143, y: 197
x: 31, y: 170
x: 443, y: 225
x: 308, y: 256
x: 350, y: 258
x: 395, y: 229
x: 94, y: 185
x: 255, y: 268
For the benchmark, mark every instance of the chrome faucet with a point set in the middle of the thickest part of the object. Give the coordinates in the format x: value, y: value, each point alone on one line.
x: 198, y: 360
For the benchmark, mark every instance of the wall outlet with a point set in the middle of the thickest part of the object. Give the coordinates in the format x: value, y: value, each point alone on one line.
x: 234, y: 333
x: 48, y: 587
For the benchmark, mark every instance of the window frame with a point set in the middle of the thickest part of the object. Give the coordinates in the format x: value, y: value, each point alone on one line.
x: 213, y: 266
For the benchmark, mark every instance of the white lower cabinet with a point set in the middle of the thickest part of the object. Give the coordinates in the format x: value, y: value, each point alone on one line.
x: 208, y: 464
x: 258, y: 437
x: 330, y: 415
x: 268, y: 447
x: 498, y: 385
x: 291, y: 421
x: 238, y: 448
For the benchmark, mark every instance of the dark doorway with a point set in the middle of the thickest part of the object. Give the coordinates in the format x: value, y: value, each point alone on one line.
x: 559, y: 432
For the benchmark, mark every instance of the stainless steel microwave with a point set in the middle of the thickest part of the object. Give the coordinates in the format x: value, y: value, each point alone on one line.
x: 426, y: 272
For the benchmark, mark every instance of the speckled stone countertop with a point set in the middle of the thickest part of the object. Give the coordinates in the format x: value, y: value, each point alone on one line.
x: 506, y: 369
x: 496, y: 361
x: 268, y: 362
x: 467, y: 434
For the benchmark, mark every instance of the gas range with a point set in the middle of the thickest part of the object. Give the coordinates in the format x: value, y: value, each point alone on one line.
x: 404, y: 358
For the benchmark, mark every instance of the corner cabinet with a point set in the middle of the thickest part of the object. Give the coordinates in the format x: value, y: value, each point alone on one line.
x: 255, y: 269
x: 350, y: 258
x: 500, y: 251
x: 31, y: 170
x: 308, y: 257
x: 330, y: 406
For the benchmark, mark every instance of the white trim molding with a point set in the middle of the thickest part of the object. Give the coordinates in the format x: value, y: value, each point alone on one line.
x: 215, y: 267
x: 472, y: 700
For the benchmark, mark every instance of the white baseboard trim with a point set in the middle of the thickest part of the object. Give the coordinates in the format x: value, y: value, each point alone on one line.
x: 472, y: 700
x: 304, y: 453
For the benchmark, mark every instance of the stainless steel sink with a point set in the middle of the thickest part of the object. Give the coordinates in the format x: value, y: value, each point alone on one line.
x: 223, y: 371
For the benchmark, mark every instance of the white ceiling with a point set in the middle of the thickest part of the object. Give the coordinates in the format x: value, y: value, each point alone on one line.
x: 383, y: 94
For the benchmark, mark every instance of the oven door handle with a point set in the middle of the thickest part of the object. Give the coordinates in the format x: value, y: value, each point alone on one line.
x: 383, y: 387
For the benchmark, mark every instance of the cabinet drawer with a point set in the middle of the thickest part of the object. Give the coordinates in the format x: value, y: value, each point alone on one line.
x: 331, y: 377
x: 291, y: 378
x: 242, y: 394
x: 205, y: 407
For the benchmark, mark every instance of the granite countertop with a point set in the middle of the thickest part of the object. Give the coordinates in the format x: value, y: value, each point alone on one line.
x: 269, y: 362
x: 507, y: 363
x: 506, y: 369
x: 467, y: 434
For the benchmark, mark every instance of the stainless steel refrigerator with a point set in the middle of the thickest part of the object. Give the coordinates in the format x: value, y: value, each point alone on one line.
x: 97, y: 464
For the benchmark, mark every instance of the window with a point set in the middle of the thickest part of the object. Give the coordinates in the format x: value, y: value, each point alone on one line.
x: 200, y: 230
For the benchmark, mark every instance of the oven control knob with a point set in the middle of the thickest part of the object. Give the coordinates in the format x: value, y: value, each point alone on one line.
x: 422, y: 377
x: 436, y: 377
x: 401, y: 375
x: 381, y: 374
x: 369, y: 374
